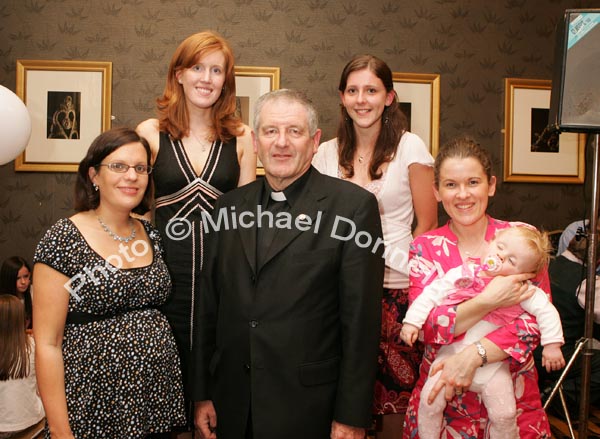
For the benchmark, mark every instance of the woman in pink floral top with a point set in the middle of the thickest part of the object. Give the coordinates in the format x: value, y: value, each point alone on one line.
x: 463, y: 183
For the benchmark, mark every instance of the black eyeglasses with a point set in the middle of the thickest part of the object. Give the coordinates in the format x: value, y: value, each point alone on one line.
x: 122, y: 168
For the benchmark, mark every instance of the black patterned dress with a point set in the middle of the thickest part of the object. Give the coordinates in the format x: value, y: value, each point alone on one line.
x: 181, y: 198
x: 122, y: 377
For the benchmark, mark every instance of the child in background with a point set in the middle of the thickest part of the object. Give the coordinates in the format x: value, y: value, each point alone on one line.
x: 15, y: 279
x: 514, y: 250
x: 20, y: 404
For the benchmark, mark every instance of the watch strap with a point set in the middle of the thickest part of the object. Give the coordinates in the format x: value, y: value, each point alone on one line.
x: 482, y: 353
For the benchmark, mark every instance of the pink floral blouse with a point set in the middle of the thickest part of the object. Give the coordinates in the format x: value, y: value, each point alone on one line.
x: 431, y: 255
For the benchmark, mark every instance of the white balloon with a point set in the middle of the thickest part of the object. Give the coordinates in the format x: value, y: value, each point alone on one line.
x: 15, y: 125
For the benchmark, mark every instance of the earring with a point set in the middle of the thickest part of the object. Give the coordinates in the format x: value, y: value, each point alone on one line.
x: 95, y: 186
x: 386, y: 119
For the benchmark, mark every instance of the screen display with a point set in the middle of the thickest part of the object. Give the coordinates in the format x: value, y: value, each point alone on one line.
x: 581, y: 88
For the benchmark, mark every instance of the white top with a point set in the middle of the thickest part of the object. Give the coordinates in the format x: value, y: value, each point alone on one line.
x: 394, y: 198
x: 538, y: 306
x: 20, y: 403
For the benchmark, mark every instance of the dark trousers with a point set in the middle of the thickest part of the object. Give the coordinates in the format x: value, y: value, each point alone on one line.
x: 249, y: 433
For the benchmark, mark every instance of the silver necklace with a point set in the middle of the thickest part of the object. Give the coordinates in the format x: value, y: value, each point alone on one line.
x: 203, y: 144
x: 469, y: 253
x: 116, y: 237
x: 474, y: 253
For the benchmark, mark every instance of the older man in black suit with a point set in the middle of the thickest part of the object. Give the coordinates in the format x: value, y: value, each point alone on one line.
x: 289, y: 314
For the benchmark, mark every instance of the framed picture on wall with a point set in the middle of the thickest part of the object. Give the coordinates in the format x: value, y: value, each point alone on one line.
x: 250, y: 84
x: 69, y: 103
x: 533, y: 153
x: 419, y: 96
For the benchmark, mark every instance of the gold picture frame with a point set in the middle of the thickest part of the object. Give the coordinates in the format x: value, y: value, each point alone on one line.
x: 419, y: 96
x: 250, y: 84
x: 527, y: 160
x: 69, y: 103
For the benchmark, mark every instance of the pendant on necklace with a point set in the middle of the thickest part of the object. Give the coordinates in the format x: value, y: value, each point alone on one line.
x: 203, y: 144
x: 361, y: 159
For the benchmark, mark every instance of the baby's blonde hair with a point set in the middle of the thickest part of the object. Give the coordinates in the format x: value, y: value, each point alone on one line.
x: 536, y: 241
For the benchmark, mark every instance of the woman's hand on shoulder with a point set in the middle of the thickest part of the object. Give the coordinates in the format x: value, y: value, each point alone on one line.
x: 505, y: 291
x: 246, y: 157
x: 150, y: 131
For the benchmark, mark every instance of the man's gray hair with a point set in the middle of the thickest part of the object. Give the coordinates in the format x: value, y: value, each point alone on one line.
x: 291, y: 96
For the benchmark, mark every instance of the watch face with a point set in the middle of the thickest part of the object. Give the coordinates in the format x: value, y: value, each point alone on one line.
x: 482, y: 353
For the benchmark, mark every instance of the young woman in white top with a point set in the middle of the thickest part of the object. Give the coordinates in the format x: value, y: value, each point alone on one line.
x: 375, y: 150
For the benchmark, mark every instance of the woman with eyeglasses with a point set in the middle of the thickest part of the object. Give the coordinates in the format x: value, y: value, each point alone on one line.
x: 107, y: 360
x: 200, y: 150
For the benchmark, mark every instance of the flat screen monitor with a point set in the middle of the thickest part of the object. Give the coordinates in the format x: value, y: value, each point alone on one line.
x: 575, y: 96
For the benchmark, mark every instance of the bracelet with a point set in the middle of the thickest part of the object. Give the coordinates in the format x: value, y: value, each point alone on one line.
x: 482, y: 353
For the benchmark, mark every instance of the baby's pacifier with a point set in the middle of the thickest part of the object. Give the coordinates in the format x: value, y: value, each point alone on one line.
x: 492, y: 263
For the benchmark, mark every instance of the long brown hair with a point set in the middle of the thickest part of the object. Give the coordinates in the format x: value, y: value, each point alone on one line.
x: 393, y: 125
x: 14, y: 342
x: 172, y: 110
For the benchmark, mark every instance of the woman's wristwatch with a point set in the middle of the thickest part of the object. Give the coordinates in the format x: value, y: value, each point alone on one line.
x: 482, y: 353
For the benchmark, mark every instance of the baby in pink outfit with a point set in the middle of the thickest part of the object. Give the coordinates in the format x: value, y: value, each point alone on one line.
x: 513, y: 250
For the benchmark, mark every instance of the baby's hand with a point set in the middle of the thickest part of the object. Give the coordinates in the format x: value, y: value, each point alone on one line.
x: 552, y: 357
x: 409, y: 333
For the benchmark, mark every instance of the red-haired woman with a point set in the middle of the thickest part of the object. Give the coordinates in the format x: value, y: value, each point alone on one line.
x: 200, y: 149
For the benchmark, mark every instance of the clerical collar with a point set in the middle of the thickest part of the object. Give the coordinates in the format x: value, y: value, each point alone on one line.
x: 278, y: 196
x: 291, y: 193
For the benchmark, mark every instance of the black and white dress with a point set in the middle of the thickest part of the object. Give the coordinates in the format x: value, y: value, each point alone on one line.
x: 122, y: 375
x: 182, y: 197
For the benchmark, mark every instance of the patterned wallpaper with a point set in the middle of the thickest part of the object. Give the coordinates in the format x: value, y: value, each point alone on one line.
x: 472, y: 44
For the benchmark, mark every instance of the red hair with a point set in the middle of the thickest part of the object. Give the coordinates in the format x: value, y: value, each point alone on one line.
x: 172, y: 110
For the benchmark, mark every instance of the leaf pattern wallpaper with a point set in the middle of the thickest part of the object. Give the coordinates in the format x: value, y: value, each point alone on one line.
x: 472, y: 44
